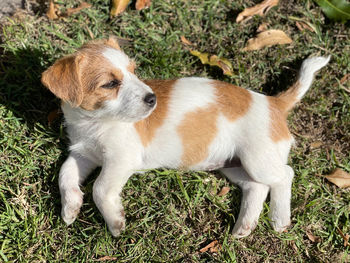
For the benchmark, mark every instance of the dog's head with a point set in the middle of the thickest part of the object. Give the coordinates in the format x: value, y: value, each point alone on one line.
x: 99, y: 78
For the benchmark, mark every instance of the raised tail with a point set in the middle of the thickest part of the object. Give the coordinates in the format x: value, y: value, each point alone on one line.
x: 307, y: 71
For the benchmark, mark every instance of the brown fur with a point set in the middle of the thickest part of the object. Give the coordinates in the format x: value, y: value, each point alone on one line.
x: 278, y: 120
x: 233, y: 101
x: 147, y: 128
x: 77, y: 78
x: 197, y: 131
x: 287, y: 99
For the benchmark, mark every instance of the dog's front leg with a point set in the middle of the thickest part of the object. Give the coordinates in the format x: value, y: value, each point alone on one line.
x: 73, y: 172
x: 106, y: 193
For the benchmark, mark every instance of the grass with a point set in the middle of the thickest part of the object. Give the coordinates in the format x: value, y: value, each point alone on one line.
x: 171, y: 215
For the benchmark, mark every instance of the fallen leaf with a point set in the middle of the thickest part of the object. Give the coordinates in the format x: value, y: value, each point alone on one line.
x: 186, y: 41
x: 53, y: 115
x: 214, y: 60
x: 303, y: 26
x: 212, y: 247
x: 294, y: 246
x: 340, y: 178
x: 141, y: 4
x: 105, y: 258
x: 224, y: 191
x: 266, y: 39
x: 90, y: 32
x: 262, y: 27
x: 259, y: 9
x: 345, y: 237
x: 337, y: 10
x: 222, y: 63
x: 314, y: 239
x: 118, y: 6
x: 51, y: 12
x: 316, y: 144
x: 345, y: 79
x: 71, y: 11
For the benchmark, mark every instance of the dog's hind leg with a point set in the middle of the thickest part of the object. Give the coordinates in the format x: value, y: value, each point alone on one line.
x: 72, y: 173
x: 270, y: 170
x: 254, y: 195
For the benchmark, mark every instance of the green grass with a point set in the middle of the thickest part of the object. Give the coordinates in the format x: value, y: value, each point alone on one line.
x: 171, y: 215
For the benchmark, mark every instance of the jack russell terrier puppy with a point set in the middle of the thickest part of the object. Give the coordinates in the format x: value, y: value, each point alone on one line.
x: 126, y: 125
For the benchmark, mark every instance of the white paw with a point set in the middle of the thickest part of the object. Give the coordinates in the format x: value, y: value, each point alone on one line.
x: 280, y: 223
x: 117, y: 225
x: 71, y: 203
x: 243, y: 229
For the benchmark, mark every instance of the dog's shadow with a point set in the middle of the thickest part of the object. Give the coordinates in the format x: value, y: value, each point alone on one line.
x: 23, y: 97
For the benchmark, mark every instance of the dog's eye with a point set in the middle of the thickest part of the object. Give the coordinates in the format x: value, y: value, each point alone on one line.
x: 112, y: 84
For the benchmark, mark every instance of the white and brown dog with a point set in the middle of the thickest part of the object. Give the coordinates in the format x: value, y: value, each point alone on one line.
x: 126, y: 125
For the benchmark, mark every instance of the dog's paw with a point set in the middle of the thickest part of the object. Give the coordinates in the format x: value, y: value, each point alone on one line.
x: 71, y: 203
x: 241, y: 230
x: 118, y: 225
x: 280, y: 223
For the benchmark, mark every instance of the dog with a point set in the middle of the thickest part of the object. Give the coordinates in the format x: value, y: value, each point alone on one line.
x: 125, y: 125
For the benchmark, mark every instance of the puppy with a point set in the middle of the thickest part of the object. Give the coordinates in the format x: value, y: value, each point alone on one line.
x: 125, y: 125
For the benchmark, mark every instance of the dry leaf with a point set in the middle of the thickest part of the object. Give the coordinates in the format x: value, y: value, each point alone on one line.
x: 303, y: 26
x: 186, y: 41
x: 345, y: 237
x: 260, y: 9
x: 141, y: 4
x: 51, y: 13
x: 118, y: 6
x: 266, y: 39
x: 340, y: 178
x: 314, y: 239
x: 316, y: 144
x: 211, y: 247
x: 53, y: 115
x: 345, y: 79
x: 204, y: 57
x: 224, y: 191
x: 71, y: 11
x: 214, y: 60
x: 262, y: 27
x: 90, y: 32
x: 105, y: 258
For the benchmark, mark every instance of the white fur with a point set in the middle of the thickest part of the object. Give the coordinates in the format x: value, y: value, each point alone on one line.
x: 307, y: 72
x: 100, y: 138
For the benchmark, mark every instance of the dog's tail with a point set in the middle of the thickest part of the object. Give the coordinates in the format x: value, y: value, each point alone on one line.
x: 308, y: 69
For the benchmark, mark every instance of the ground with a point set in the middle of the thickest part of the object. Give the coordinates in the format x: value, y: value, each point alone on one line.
x: 170, y: 214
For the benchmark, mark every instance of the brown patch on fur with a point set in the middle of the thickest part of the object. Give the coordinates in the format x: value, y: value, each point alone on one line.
x: 63, y: 79
x: 278, y: 120
x: 112, y: 42
x: 233, y: 101
x: 78, y: 78
x: 287, y: 99
x: 197, y: 130
x: 147, y: 128
x: 131, y: 67
x: 122, y: 213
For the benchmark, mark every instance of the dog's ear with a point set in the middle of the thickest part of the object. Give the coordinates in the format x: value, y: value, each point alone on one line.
x: 112, y: 42
x: 63, y: 79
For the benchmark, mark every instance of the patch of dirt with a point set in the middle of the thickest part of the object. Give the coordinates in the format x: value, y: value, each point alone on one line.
x: 9, y: 7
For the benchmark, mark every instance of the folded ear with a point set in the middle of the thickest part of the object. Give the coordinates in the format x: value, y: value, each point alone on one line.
x: 112, y: 42
x: 63, y: 79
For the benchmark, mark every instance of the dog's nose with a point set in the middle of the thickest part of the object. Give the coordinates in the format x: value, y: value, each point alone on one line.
x: 150, y: 99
